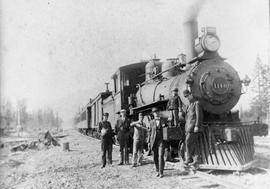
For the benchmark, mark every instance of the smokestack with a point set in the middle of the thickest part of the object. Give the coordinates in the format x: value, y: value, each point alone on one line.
x: 190, y: 34
x: 191, y: 27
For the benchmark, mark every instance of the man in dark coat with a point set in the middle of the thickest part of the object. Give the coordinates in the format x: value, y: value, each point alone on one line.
x: 157, y: 142
x: 194, y: 116
x: 106, y: 133
x: 122, y: 128
x: 175, y: 107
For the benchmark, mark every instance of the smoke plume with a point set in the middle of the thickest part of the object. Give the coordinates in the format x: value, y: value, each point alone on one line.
x: 193, y: 9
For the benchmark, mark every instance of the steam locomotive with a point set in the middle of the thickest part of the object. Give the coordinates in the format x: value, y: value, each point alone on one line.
x: 225, y: 142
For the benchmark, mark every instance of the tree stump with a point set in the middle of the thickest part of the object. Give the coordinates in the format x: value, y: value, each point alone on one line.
x: 66, y: 146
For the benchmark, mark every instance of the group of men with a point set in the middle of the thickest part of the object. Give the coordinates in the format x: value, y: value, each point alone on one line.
x: 192, y: 117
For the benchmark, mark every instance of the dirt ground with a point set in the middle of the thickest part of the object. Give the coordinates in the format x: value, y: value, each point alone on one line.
x: 81, y: 168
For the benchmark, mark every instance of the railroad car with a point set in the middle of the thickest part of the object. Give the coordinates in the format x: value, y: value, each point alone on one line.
x: 224, y: 142
x: 124, y: 80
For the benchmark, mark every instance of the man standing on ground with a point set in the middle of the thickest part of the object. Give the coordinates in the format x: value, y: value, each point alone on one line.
x: 105, y: 130
x: 157, y: 142
x: 122, y: 128
x: 138, y: 140
x: 193, y: 118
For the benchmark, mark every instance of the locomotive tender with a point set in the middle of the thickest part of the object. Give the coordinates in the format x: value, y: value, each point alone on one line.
x: 225, y: 142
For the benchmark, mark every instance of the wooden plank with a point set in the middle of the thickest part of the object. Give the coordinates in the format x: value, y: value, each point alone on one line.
x: 224, y: 158
x: 240, y: 147
x: 202, y: 149
x: 234, y: 154
x: 219, y: 156
x: 226, y: 155
x: 242, y: 144
x: 249, y: 153
x: 205, y: 148
x: 239, y: 153
x: 247, y: 144
x: 251, y: 145
x: 210, y: 161
x: 213, y: 141
x: 231, y: 156
x: 252, y: 140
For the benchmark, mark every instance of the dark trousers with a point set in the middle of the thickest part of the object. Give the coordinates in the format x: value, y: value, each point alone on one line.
x: 123, y: 143
x: 106, y: 148
x: 175, y: 117
x: 158, y: 150
x: 181, y: 145
x: 191, y: 144
x: 124, y: 153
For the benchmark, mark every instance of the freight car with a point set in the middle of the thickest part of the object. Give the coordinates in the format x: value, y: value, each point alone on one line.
x: 225, y: 142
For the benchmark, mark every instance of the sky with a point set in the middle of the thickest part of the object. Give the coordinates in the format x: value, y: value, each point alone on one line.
x: 59, y: 53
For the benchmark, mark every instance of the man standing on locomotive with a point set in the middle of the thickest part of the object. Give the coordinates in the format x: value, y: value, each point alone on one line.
x: 122, y: 128
x: 193, y: 118
x: 175, y: 106
x: 157, y: 142
x: 138, y: 140
x: 106, y: 133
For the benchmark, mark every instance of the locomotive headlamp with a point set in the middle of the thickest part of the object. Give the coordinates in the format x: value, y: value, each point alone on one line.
x: 209, y: 41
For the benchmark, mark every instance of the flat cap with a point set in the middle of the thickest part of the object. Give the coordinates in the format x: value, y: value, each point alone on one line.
x: 106, y: 114
x: 175, y: 89
x: 155, y: 109
x: 186, y: 93
x: 123, y: 111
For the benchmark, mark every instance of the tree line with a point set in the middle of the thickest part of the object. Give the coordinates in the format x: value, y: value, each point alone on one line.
x: 40, y: 119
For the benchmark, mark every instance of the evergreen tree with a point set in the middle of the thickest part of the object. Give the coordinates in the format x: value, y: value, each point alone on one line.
x: 261, y: 86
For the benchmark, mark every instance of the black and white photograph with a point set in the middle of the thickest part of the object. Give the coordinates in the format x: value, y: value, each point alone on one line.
x: 134, y: 94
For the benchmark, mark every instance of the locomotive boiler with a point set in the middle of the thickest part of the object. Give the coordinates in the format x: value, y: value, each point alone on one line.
x: 213, y: 81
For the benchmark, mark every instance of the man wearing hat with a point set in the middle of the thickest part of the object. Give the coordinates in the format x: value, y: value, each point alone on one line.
x: 122, y: 129
x: 106, y: 133
x: 138, y: 140
x: 157, y: 142
x: 175, y: 106
x: 194, y: 117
